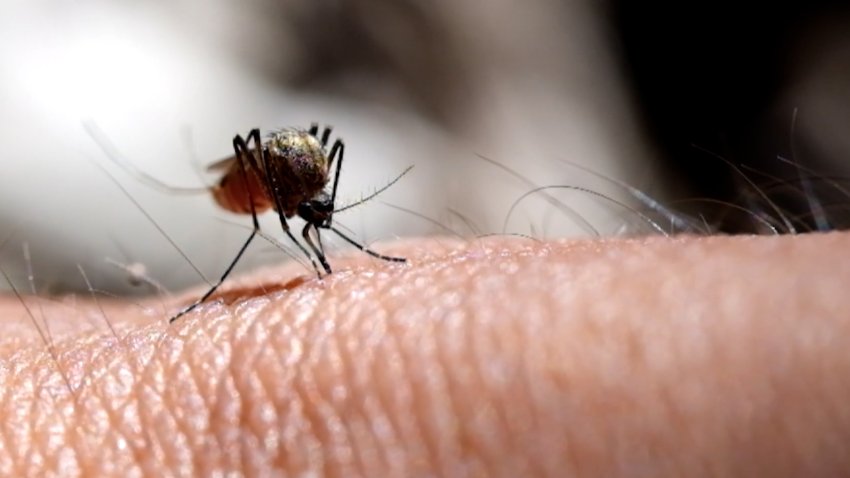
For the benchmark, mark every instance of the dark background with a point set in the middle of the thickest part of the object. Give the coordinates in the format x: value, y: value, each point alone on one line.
x: 711, y: 75
x: 716, y: 84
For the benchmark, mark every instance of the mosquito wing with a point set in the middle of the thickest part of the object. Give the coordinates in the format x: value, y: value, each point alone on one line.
x: 221, y: 165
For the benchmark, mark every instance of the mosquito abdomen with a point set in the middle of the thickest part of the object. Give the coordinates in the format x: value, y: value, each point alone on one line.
x: 235, y: 192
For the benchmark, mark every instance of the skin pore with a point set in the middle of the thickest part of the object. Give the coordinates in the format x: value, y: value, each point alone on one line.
x: 494, y: 357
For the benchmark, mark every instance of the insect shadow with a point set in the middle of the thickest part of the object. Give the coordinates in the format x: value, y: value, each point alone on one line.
x: 289, y: 173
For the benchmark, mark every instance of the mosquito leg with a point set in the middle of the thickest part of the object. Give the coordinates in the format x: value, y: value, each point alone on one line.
x: 317, y: 250
x: 326, y: 134
x: 273, y: 190
x: 215, y: 286
x: 338, y: 147
x: 240, y: 148
x: 364, y: 248
x: 256, y: 153
x: 319, y: 240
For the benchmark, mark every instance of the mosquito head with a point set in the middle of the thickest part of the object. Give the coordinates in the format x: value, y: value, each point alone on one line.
x: 317, y: 210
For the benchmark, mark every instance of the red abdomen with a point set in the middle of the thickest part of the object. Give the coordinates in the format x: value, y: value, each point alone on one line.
x: 232, y: 192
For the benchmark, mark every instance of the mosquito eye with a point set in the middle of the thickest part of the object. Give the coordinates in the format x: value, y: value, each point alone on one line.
x: 322, y: 205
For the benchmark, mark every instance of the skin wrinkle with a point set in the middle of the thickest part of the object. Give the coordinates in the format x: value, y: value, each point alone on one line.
x: 426, y: 454
x: 532, y: 432
x: 320, y: 329
x: 52, y: 434
x: 721, y: 359
x: 446, y: 408
x: 239, y: 362
x: 451, y: 406
x: 285, y: 395
x: 392, y: 392
x: 428, y: 382
x: 342, y: 366
x: 520, y: 421
x: 163, y: 410
x: 245, y: 362
x: 195, y: 406
x: 148, y: 370
x: 282, y: 397
x: 357, y: 354
x: 460, y: 330
x: 305, y: 387
x: 299, y: 435
x: 514, y: 349
x: 218, y: 353
x: 8, y: 431
x: 342, y: 454
x: 219, y: 333
x: 118, y: 429
x: 356, y: 360
x: 213, y: 449
x: 401, y: 395
x: 158, y: 414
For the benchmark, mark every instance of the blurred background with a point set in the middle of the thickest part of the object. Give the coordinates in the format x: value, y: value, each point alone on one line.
x: 670, y: 99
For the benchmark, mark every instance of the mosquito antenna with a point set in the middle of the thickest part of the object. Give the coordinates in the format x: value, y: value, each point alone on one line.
x: 789, y: 227
x: 588, y: 191
x: 374, y: 194
x: 111, y: 151
x: 152, y: 221
x: 549, y: 198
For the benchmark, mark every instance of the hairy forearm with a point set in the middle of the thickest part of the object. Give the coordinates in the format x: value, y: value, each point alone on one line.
x: 498, y: 356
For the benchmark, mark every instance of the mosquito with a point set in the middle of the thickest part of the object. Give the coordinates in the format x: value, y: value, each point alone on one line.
x: 289, y: 173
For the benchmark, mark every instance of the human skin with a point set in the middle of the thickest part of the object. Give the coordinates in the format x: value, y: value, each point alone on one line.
x: 689, y: 356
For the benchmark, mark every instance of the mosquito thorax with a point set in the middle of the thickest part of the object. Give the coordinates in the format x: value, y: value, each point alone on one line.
x: 305, y: 156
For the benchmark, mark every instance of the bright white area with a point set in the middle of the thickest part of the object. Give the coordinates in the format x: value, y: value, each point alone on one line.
x: 149, y: 80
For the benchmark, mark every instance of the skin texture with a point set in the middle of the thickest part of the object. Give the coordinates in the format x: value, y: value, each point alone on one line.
x: 496, y: 357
